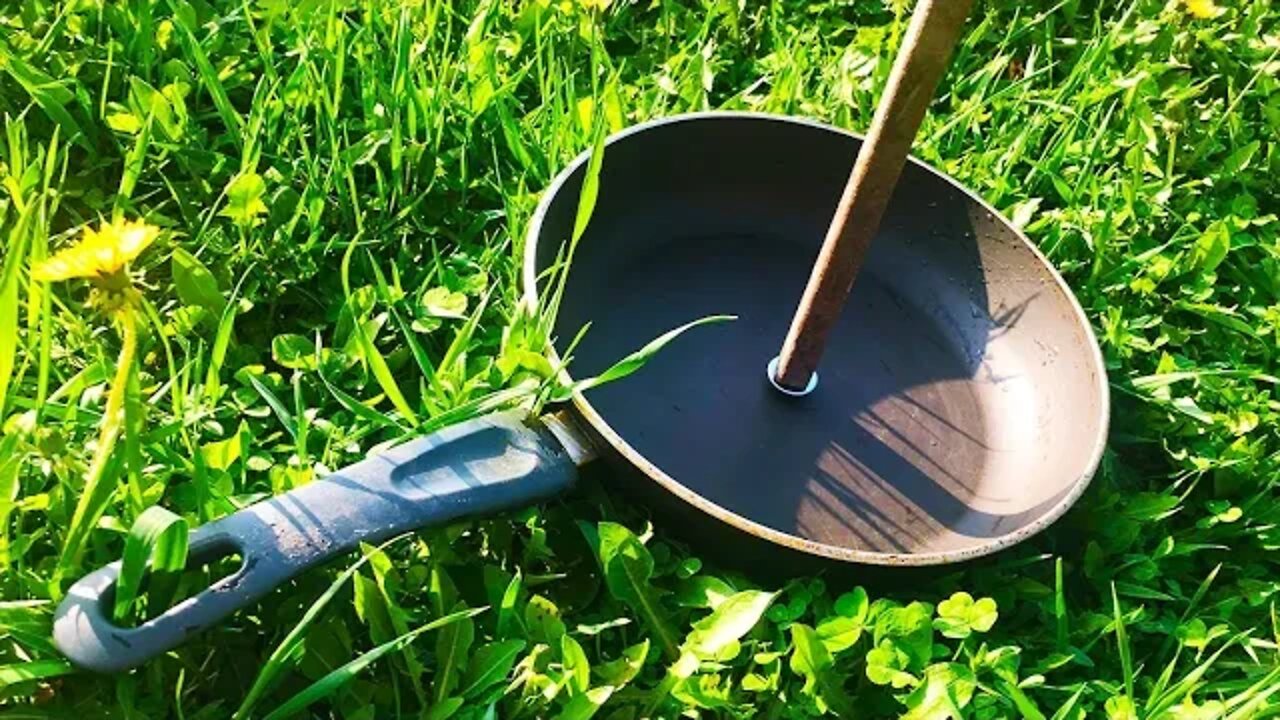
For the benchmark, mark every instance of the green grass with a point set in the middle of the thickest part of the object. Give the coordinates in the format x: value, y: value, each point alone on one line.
x: 345, y: 185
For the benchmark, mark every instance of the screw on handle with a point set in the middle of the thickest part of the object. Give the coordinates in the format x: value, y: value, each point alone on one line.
x: 935, y: 28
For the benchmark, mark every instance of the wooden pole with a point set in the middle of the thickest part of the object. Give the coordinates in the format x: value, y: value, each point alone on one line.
x: 936, y: 26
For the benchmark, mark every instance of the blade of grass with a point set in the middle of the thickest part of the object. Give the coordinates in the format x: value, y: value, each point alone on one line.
x: 10, y: 467
x: 39, y: 299
x: 462, y: 338
x: 587, y: 197
x: 1251, y: 700
x: 1122, y: 643
x: 373, y: 358
x: 14, y: 257
x: 357, y: 408
x: 208, y: 74
x: 287, y: 648
x: 15, y: 673
x: 410, y: 338
x: 282, y: 413
x: 639, y: 358
x: 303, y: 424
x: 493, y: 402
x: 46, y: 92
x: 1068, y: 708
x: 331, y: 682
x: 133, y: 165
x: 221, y: 341
x: 1162, y: 700
x: 1060, y: 607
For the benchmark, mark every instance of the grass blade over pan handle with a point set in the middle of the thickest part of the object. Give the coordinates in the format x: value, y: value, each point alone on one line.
x: 480, y: 466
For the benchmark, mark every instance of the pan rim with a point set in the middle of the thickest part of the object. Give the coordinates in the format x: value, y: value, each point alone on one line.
x: 529, y: 294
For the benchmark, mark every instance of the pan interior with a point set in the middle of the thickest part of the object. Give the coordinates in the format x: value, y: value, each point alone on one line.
x: 958, y: 401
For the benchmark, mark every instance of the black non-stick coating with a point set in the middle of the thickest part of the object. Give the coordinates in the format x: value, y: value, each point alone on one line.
x: 962, y: 402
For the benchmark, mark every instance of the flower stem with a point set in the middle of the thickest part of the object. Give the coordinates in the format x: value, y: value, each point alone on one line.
x: 98, y: 486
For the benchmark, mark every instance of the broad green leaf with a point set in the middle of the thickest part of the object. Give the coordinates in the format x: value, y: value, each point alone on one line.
x: 29, y: 622
x: 195, y: 284
x: 1239, y: 158
x: 542, y: 620
x: 960, y: 616
x: 728, y: 623
x: 371, y: 609
x: 810, y: 660
x: 221, y: 454
x: 294, y: 352
x: 583, y: 706
x: 490, y: 665
x: 1188, y: 709
x: 452, y: 645
x: 621, y: 671
x: 888, y: 665
x: 384, y: 585
x: 628, y: 566
x: 124, y: 122
x: 443, y: 303
x: 244, y: 199
x: 577, y: 668
x: 839, y: 633
x: 444, y: 710
x: 612, y: 104
x: 843, y: 630
x: 703, y: 591
x: 1212, y: 247
x: 911, y: 630
x: 1120, y: 707
x: 853, y: 604
x: 947, y: 688
x: 156, y: 542
x: 508, y: 619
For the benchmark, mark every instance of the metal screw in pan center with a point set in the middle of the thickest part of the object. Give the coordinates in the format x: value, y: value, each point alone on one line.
x: 772, y: 373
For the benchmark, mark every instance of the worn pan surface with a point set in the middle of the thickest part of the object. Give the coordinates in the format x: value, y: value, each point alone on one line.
x: 962, y: 407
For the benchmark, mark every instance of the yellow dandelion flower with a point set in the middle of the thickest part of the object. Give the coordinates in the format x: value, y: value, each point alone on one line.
x: 101, y: 255
x: 1203, y: 9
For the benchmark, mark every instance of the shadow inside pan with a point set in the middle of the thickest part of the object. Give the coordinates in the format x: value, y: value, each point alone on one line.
x: 958, y: 400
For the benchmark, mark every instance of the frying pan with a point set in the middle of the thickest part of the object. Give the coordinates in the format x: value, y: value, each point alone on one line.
x: 963, y: 409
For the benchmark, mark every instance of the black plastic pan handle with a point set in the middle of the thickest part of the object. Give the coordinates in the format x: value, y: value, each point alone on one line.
x: 480, y: 466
